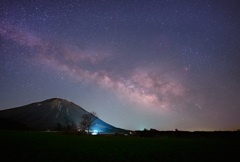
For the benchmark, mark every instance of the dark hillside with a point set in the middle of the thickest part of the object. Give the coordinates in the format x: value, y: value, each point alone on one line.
x: 50, y: 114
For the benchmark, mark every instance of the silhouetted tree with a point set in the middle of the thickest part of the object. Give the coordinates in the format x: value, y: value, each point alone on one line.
x: 71, y: 127
x: 74, y: 126
x: 87, y: 121
x: 59, y: 127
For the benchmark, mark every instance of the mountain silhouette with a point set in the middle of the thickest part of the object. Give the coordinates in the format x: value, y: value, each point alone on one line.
x: 50, y: 115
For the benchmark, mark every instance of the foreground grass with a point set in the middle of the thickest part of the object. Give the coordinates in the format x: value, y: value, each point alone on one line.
x: 45, y: 146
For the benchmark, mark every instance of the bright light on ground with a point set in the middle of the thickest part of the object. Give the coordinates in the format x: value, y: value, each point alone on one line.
x: 95, y: 132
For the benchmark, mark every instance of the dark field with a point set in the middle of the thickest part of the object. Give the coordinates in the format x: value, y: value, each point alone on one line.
x: 46, y: 146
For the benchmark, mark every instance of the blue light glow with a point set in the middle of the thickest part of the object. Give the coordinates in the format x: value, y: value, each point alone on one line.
x: 94, y: 132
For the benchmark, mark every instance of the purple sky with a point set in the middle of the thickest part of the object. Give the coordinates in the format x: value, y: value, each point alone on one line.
x: 138, y: 64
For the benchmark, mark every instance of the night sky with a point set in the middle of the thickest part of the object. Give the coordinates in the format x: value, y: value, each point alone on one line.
x: 162, y: 64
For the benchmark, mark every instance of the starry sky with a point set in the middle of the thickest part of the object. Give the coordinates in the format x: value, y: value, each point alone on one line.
x: 162, y: 64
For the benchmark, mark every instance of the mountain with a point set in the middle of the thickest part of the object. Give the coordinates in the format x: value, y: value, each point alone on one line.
x: 51, y: 114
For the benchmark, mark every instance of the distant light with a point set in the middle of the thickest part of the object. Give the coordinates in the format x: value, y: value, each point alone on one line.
x: 95, y: 132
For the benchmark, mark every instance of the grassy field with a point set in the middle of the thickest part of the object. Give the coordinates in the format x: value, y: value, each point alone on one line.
x: 45, y: 146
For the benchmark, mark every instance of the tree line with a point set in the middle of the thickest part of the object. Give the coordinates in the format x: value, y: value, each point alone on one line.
x: 83, y: 127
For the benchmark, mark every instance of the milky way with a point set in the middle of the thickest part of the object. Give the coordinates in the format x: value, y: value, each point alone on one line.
x: 138, y: 64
